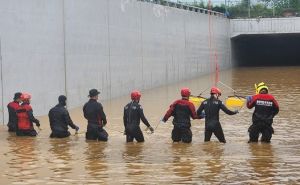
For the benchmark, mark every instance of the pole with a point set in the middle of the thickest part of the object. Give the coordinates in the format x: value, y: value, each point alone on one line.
x: 1, y: 66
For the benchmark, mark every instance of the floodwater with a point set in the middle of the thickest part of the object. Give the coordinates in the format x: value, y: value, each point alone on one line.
x: 73, y: 160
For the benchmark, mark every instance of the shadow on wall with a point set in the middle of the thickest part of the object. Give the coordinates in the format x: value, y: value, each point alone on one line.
x: 266, y: 50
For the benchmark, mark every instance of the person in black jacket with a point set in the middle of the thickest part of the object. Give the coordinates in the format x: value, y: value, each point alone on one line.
x: 12, y: 108
x: 266, y: 107
x: 133, y: 114
x: 60, y: 119
x: 182, y: 110
x: 211, y: 109
x: 93, y: 112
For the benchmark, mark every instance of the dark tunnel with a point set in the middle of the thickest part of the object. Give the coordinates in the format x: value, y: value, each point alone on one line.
x: 266, y: 50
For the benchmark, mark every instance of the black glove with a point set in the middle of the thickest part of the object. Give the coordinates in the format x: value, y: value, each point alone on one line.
x: 37, y: 122
x: 76, y: 128
x: 151, y: 129
x: 163, y: 120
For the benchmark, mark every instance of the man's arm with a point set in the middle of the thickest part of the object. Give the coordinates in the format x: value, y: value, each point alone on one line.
x: 142, y: 116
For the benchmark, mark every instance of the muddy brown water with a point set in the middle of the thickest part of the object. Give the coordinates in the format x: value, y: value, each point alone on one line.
x: 73, y: 160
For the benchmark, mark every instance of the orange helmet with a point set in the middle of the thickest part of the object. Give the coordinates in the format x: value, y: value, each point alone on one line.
x: 185, y: 92
x: 215, y: 90
x: 135, y: 95
x: 25, y: 96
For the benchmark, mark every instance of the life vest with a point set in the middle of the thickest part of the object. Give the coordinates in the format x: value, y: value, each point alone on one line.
x: 24, y: 122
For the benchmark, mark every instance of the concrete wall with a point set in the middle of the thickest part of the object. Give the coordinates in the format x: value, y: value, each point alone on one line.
x: 32, y: 49
x: 265, y: 26
x: 70, y: 46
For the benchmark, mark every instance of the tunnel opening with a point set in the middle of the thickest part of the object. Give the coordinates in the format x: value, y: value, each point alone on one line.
x: 266, y: 50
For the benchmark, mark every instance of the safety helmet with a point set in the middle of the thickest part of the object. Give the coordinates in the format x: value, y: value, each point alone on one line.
x: 17, y: 95
x: 136, y: 95
x: 185, y: 92
x: 25, y: 96
x: 215, y: 90
x: 260, y: 87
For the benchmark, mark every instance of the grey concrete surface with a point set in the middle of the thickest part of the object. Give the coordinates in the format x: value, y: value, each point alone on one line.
x: 67, y: 47
x: 265, y: 26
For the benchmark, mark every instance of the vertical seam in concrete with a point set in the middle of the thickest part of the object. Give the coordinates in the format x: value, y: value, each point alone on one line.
x: 142, y: 48
x: 109, y: 64
x: 2, y: 103
x: 64, y: 39
x: 184, y: 60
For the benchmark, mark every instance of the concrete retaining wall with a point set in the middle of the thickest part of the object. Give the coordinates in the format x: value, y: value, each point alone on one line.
x: 58, y: 47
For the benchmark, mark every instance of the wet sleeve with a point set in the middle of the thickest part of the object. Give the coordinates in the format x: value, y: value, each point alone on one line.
x: 251, y: 104
x: 276, y: 107
x: 50, y: 115
x: 169, y: 113
x: 193, y: 111
x: 12, y: 114
x: 226, y: 110
x: 68, y: 120
x: 31, y: 117
x: 125, y: 117
x: 102, y: 114
x: 84, y: 111
x: 200, y: 109
x: 143, y: 118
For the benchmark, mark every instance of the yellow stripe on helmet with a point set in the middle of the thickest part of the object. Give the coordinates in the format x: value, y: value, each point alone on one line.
x: 260, y: 86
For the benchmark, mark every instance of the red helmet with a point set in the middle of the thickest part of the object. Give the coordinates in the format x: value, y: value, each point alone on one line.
x: 215, y: 90
x: 185, y: 92
x: 136, y: 95
x: 25, y: 96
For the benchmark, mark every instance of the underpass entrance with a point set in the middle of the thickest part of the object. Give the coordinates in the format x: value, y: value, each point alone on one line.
x: 266, y: 49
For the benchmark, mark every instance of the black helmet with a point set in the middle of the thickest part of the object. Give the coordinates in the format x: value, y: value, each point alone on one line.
x: 62, y: 99
x: 17, y: 95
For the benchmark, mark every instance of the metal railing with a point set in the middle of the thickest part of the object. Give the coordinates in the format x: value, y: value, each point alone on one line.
x: 184, y: 7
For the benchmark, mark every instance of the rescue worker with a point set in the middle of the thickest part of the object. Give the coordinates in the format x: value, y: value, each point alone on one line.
x: 182, y: 110
x: 93, y: 112
x: 133, y: 114
x: 266, y: 107
x: 60, y: 119
x: 12, y: 116
x: 26, y: 118
x: 211, y: 109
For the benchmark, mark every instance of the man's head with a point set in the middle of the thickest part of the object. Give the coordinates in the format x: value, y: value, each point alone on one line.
x: 135, y: 96
x: 93, y: 94
x: 17, y: 97
x: 62, y: 100
x: 261, y: 88
x: 185, y: 93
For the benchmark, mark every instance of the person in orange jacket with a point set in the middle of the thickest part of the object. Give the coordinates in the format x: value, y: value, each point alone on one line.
x: 182, y: 110
x: 26, y: 118
x: 266, y: 107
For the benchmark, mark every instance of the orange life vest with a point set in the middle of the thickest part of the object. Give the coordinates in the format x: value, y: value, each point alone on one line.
x: 24, y: 122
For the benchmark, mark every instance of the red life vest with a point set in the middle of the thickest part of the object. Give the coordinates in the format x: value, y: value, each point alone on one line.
x: 24, y: 122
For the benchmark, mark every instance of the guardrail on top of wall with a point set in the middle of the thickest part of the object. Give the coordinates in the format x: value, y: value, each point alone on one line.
x: 185, y: 7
